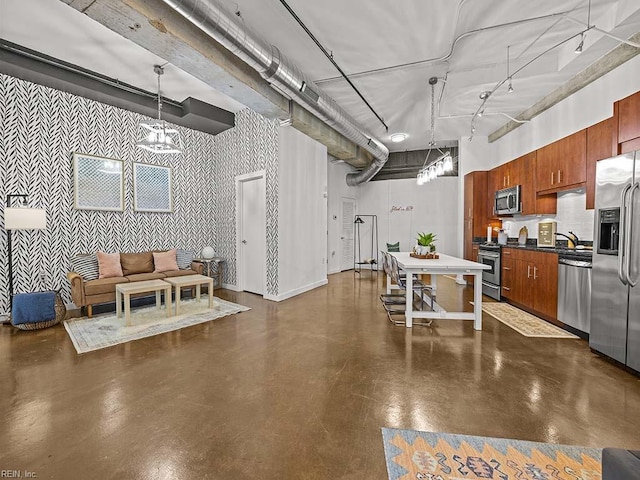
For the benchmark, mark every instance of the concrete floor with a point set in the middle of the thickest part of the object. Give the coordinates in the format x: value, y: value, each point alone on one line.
x: 296, y: 390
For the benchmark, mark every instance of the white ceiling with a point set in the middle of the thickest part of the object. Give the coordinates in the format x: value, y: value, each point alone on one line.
x: 370, y: 41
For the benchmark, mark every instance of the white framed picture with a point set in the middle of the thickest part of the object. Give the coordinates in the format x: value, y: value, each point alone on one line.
x: 152, y: 188
x: 98, y: 183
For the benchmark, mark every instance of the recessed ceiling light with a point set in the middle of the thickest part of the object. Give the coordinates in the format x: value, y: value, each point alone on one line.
x: 398, y: 137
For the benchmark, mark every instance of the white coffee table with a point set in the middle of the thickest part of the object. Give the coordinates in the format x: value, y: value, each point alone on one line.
x: 191, y: 281
x: 146, y: 286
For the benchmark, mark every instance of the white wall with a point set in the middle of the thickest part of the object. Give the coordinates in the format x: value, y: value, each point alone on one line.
x: 302, y: 213
x: 586, y: 107
x: 337, y: 188
x: 427, y: 208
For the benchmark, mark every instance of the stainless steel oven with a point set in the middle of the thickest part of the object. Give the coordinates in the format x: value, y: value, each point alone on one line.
x: 490, y: 255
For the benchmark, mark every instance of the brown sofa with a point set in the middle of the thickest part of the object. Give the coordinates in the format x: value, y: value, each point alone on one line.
x: 136, y: 267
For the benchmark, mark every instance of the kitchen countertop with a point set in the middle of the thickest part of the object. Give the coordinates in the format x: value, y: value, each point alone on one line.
x: 562, y: 251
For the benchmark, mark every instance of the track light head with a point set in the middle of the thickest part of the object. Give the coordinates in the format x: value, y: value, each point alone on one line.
x: 578, y: 49
x: 510, y: 89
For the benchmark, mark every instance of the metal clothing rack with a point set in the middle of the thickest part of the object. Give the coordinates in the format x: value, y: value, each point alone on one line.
x: 358, y: 260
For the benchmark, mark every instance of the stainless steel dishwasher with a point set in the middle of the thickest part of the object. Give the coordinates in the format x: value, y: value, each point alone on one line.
x: 574, y: 293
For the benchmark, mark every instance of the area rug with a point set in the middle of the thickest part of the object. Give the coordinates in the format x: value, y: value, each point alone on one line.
x: 522, y: 322
x: 89, y: 334
x: 411, y: 454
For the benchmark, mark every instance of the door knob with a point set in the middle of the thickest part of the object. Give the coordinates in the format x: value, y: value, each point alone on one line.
x: 244, y: 241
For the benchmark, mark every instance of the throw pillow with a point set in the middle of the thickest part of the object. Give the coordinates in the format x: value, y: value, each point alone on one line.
x: 393, y: 247
x: 184, y: 259
x: 109, y: 265
x: 165, y: 261
x: 86, y: 266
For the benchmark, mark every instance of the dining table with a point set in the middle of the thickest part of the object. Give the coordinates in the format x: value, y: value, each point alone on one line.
x: 444, y: 265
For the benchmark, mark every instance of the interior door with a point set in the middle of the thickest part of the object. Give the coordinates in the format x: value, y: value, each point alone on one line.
x: 346, y: 235
x: 253, y: 235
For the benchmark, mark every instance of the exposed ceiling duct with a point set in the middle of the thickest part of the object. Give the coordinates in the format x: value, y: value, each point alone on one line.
x: 213, y: 19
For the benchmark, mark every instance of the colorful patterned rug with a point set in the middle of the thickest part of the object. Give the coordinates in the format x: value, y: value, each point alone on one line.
x: 88, y: 334
x: 445, y: 456
x: 523, y: 322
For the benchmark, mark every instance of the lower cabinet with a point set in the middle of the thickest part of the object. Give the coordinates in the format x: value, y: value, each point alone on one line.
x: 530, y: 279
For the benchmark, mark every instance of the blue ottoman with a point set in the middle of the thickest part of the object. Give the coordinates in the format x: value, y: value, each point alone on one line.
x: 33, y: 311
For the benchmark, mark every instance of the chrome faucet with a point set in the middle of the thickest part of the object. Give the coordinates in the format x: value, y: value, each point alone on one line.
x: 573, y: 239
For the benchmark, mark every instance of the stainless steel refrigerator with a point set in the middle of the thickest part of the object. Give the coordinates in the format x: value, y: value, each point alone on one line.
x: 615, y: 299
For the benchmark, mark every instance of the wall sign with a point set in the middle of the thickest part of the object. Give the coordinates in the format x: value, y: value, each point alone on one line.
x: 399, y: 208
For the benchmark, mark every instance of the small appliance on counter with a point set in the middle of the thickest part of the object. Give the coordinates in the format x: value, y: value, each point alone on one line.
x: 502, y: 237
x: 547, y: 234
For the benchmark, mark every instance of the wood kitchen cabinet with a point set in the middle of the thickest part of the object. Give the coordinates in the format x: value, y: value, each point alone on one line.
x: 530, y: 280
x: 628, y: 118
x: 600, y: 145
x: 561, y: 165
x: 475, y: 210
x: 506, y: 277
x: 532, y: 203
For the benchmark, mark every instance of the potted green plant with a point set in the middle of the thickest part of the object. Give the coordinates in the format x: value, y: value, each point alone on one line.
x: 426, y: 242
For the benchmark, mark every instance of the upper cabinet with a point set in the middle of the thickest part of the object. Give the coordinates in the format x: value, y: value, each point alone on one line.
x: 627, y: 115
x: 600, y: 145
x: 561, y: 165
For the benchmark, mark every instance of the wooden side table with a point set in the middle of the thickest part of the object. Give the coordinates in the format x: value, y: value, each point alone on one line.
x: 219, y: 263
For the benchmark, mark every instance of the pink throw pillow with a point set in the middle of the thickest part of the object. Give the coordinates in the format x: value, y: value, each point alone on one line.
x: 165, y: 261
x: 109, y: 265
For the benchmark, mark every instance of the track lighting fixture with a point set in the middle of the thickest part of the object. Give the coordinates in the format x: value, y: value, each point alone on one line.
x: 578, y: 49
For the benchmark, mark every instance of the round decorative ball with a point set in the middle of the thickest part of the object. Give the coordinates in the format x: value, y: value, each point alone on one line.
x: 208, y: 252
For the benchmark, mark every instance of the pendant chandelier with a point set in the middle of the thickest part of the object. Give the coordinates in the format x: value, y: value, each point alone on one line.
x: 155, y: 136
x: 444, y: 163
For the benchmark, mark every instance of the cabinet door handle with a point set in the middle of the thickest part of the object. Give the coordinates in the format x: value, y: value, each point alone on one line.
x: 506, y: 288
x: 552, y: 178
x: 469, y: 212
x: 508, y: 180
x: 506, y: 268
x: 506, y: 253
x: 535, y: 273
x: 559, y: 176
x: 528, y: 271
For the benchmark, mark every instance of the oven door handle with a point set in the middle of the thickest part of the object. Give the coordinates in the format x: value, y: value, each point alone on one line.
x: 488, y: 255
x: 490, y: 285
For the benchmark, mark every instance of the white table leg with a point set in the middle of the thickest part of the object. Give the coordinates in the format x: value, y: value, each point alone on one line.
x: 118, y: 304
x: 127, y: 309
x: 477, y: 300
x: 408, y: 309
x: 158, y: 299
x: 198, y: 293
x: 388, y: 285
x: 211, y: 293
x: 178, y: 299
x: 167, y: 300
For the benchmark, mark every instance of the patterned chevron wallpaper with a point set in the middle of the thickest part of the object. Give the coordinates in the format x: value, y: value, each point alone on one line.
x: 40, y: 129
x: 251, y: 146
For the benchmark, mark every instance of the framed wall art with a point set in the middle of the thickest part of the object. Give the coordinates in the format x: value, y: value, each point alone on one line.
x: 98, y: 183
x: 152, y: 188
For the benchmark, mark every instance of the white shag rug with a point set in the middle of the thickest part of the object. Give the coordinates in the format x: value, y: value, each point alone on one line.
x: 89, y: 334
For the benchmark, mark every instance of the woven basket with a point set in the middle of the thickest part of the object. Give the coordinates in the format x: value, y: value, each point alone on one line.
x: 61, y: 311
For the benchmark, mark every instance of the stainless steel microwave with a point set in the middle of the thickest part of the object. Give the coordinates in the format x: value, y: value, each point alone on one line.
x: 507, y: 201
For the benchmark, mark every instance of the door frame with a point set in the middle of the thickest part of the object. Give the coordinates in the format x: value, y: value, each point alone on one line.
x: 239, y: 180
x: 340, y: 238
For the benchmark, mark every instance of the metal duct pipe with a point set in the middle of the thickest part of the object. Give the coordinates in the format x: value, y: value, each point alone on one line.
x: 213, y: 19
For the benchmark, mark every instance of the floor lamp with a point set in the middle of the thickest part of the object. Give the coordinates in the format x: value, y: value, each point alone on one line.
x: 20, y: 218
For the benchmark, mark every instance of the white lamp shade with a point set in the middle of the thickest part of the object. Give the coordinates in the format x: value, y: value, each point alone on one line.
x: 25, y: 218
x: 208, y: 253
